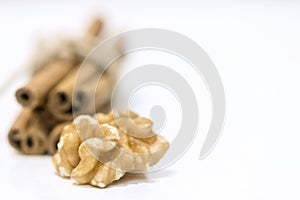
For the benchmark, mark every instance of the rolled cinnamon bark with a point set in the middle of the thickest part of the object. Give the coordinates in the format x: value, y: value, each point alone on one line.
x: 47, y: 99
x: 61, y: 103
x: 45, y: 118
x: 102, y: 95
x: 60, y: 97
x: 53, y: 138
x: 95, y: 28
x: 34, y: 93
x: 17, y: 132
x: 28, y: 134
x: 35, y: 139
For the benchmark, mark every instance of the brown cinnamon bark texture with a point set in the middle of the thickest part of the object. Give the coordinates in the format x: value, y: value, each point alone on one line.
x: 48, y: 101
x: 99, y: 90
x: 28, y: 133
x: 94, y: 28
x: 53, y: 138
x: 17, y: 131
x: 60, y: 98
x: 61, y: 102
x: 34, y: 93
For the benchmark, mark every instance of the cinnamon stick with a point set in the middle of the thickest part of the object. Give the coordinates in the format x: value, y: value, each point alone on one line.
x: 47, y: 99
x: 102, y: 95
x: 45, y: 118
x: 28, y: 134
x: 95, y: 28
x: 35, y: 91
x: 34, y: 142
x: 17, y: 131
x: 53, y: 138
x: 61, y: 103
x: 60, y: 97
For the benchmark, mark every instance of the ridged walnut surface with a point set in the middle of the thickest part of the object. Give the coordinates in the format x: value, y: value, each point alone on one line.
x: 101, y: 149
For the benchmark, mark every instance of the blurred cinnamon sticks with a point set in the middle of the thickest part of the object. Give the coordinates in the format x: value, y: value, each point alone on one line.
x: 47, y: 99
x: 34, y: 93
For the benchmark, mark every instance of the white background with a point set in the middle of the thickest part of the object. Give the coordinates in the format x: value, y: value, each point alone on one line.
x: 255, y: 46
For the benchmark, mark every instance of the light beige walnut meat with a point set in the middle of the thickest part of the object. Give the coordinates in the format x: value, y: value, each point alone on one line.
x: 101, y: 149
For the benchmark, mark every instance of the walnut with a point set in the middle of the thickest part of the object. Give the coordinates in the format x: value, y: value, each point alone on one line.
x: 101, y: 149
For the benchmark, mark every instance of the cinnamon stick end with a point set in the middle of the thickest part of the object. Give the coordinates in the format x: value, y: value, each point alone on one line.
x: 15, y: 139
x: 25, y: 97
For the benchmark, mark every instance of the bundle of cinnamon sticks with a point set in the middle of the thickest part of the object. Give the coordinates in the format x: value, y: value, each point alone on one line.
x: 47, y: 99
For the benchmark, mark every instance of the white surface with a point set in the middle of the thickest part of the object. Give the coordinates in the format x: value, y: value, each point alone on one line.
x: 255, y: 46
